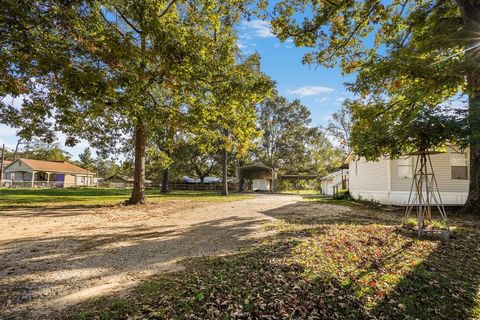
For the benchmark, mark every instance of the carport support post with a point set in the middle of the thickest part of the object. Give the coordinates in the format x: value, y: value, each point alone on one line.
x: 33, y: 177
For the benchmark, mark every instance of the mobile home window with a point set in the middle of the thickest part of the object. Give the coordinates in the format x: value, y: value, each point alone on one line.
x: 405, y: 168
x: 458, y: 165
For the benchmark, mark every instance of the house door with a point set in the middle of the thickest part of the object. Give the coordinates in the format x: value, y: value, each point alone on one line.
x: 59, y: 180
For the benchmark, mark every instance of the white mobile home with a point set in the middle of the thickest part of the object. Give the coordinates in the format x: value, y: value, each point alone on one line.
x: 389, y: 181
x: 334, y: 181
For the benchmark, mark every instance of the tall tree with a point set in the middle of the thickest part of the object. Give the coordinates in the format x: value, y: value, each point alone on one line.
x: 106, y: 168
x: 408, y: 55
x: 323, y: 156
x: 86, y: 159
x: 230, y: 128
x: 340, y: 127
x: 286, y: 133
x: 39, y: 150
x: 92, y: 66
x: 193, y: 160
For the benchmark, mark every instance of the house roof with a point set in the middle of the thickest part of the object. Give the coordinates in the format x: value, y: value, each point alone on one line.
x: 125, y: 178
x: 350, y: 158
x: 6, y: 163
x: 331, y: 175
x: 52, y: 166
x: 256, y: 171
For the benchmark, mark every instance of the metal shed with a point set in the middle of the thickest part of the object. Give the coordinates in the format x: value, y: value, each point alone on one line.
x: 259, y: 178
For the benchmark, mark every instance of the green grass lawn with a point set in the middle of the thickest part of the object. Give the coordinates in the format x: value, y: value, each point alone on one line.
x: 303, y: 192
x: 16, y: 198
x: 335, y: 269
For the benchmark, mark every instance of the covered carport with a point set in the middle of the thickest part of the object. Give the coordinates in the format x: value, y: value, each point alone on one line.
x: 257, y: 177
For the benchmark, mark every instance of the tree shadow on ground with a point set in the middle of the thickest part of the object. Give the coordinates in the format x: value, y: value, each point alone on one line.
x: 285, y: 279
x: 36, y: 273
x: 333, y: 262
x: 313, y: 212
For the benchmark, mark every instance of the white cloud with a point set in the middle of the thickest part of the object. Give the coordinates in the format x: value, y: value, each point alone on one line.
x: 310, y: 91
x: 241, y: 46
x: 255, y: 29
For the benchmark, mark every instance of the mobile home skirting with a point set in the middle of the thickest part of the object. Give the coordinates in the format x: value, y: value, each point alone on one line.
x: 400, y: 198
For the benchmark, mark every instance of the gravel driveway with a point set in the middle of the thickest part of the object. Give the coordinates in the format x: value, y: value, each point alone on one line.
x: 51, y: 258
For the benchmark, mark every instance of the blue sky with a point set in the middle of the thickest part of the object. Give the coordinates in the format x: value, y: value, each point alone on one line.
x: 320, y: 89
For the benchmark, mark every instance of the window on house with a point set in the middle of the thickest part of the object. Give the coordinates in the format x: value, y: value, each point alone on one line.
x: 356, y: 167
x: 405, y: 168
x: 458, y: 165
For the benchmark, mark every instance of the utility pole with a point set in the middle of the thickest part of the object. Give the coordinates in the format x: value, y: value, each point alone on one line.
x: 1, y: 166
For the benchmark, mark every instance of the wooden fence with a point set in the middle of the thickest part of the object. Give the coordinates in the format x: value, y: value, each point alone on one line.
x: 201, y: 186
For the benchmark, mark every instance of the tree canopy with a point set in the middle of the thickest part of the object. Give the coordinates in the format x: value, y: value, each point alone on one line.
x: 107, y: 70
x: 407, y: 56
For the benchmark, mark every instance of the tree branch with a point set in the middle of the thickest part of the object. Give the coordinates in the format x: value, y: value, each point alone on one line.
x: 167, y: 8
x: 131, y: 25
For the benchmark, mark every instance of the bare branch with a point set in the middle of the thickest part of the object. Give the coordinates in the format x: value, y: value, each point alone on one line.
x: 131, y: 25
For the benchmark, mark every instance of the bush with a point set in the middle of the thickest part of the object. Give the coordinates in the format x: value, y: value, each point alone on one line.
x: 342, y: 195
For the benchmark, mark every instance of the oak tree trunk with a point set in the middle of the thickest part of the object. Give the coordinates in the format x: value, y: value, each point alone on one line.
x: 242, y: 179
x: 138, y: 192
x: 165, y: 181
x: 225, y: 173
x: 470, y: 10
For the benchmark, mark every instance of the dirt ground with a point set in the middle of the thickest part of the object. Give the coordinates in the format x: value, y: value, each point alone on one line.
x: 52, y: 258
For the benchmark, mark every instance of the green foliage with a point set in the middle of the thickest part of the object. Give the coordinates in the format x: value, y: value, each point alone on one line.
x: 86, y: 160
x: 397, y: 135
x: 288, y: 143
x: 342, y: 194
x: 38, y: 150
x: 286, y: 133
x: 401, y: 74
x: 105, y: 168
x: 111, y: 70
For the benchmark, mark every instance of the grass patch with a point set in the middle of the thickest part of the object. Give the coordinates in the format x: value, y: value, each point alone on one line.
x: 327, y: 199
x: 303, y: 192
x: 17, y: 198
x: 319, y: 271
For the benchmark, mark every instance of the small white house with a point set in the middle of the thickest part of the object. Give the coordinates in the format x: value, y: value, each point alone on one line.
x: 334, y: 181
x: 389, y: 181
x: 39, y: 173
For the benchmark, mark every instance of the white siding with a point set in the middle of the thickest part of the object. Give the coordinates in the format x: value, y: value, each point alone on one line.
x: 369, y: 176
x: 369, y: 180
x: 261, y: 184
x: 327, y: 187
x: 380, y: 181
x: 400, y: 198
x: 18, y: 166
x: 334, y: 179
x: 441, y: 167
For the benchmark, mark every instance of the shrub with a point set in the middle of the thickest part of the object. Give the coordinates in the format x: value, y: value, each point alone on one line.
x: 343, y: 194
